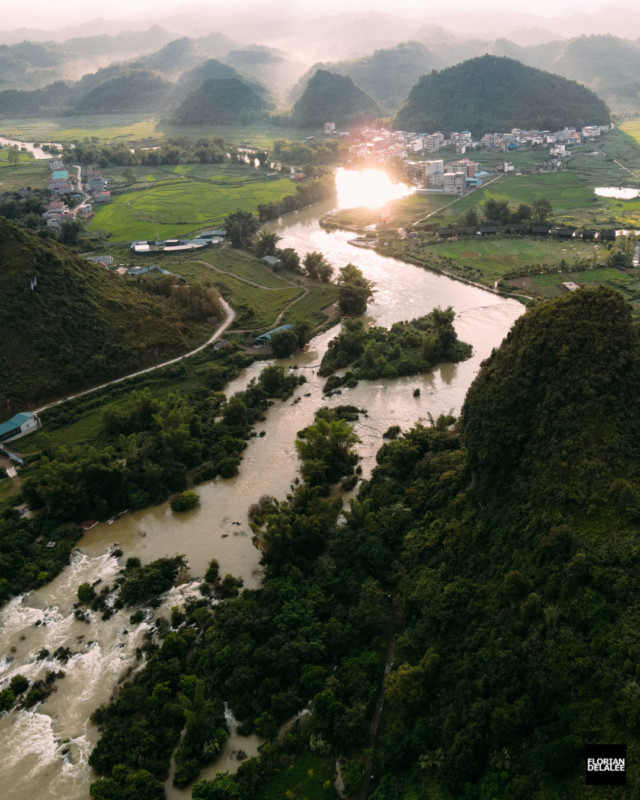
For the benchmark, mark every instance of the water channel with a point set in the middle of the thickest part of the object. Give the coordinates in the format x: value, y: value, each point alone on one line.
x: 45, y: 750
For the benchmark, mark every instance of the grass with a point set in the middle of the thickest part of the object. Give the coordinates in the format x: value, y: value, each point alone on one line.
x: 495, y: 257
x: 313, y: 304
x: 104, y: 127
x: 183, y: 203
x: 242, y: 265
x: 28, y: 172
x: 7, y: 489
x: 257, y: 309
x: 305, y: 778
x: 549, y: 285
x: 128, y: 127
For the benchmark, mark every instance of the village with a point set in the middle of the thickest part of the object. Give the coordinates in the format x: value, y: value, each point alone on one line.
x: 460, y: 175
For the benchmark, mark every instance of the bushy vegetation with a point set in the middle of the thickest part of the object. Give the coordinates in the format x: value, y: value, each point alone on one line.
x: 405, y: 349
x: 25, y: 560
x: 152, y: 447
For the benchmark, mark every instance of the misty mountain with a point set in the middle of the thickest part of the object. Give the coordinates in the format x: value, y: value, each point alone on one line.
x: 138, y: 90
x: 386, y: 75
x: 273, y: 67
x: 608, y: 65
x: 496, y: 94
x: 334, y: 98
x: 31, y: 65
x: 173, y: 59
x: 221, y: 101
x: 214, y: 70
x: 216, y: 44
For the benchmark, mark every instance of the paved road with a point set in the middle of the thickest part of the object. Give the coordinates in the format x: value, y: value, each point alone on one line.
x: 231, y: 315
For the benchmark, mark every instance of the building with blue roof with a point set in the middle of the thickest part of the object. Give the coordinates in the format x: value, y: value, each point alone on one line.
x: 265, y: 338
x: 19, y: 425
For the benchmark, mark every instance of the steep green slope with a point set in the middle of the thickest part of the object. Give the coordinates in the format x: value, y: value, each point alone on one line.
x: 518, y: 566
x: 80, y: 324
x: 496, y: 94
x: 219, y: 102
x: 334, y: 98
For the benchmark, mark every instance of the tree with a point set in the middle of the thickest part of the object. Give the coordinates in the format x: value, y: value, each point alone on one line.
x: 13, y: 156
x: 240, y: 226
x: 304, y: 330
x: 128, y: 176
x: 283, y: 343
x: 355, y: 291
x: 470, y: 217
x: 70, y: 231
x: 289, y: 259
x: 266, y: 244
x: 542, y: 209
x: 315, y: 263
x: 327, y: 451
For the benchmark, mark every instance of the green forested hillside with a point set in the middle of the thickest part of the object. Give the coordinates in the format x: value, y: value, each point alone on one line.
x: 80, y: 324
x: 496, y: 94
x: 518, y: 567
x: 334, y: 98
x: 220, y: 101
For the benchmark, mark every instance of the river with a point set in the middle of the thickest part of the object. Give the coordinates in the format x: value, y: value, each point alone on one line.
x: 37, y: 152
x: 45, y: 750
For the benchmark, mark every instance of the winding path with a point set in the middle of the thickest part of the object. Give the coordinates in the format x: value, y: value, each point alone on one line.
x: 231, y: 315
x: 305, y: 291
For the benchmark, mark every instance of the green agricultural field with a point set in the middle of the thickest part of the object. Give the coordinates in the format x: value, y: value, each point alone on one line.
x: 241, y: 265
x: 28, y: 172
x: 257, y: 309
x: 104, y: 127
x: 313, y: 304
x: 495, y: 257
x: 625, y: 281
x: 128, y: 127
x: 178, y: 207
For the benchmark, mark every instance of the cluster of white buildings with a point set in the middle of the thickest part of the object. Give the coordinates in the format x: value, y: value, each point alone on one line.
x: 383, y: 145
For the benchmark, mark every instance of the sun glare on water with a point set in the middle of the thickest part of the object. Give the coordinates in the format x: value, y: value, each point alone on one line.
x: 368, y: 187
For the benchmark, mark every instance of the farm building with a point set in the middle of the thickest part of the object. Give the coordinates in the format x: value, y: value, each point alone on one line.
x: 265, y: 338
x: 19, y: 425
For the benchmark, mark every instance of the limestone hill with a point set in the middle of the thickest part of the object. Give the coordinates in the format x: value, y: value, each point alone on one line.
x: 493, y: 93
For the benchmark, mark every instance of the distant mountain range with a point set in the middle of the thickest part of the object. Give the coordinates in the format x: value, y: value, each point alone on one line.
x: 607, y: 65
x: 161, y: 72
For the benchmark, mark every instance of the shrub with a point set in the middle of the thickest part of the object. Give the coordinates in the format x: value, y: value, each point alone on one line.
x: 185, y: 501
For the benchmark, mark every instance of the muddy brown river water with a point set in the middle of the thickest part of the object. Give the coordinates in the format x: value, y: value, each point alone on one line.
x: 45, y: 750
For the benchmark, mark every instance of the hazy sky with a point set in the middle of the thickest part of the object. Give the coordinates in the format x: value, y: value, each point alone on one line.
x: 48, y: 15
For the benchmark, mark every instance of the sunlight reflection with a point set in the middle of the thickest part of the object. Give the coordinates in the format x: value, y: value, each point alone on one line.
x: 368, y: 187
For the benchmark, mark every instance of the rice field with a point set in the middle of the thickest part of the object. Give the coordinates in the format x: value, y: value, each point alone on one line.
x: 181, y: 200
x: 128, y: 127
